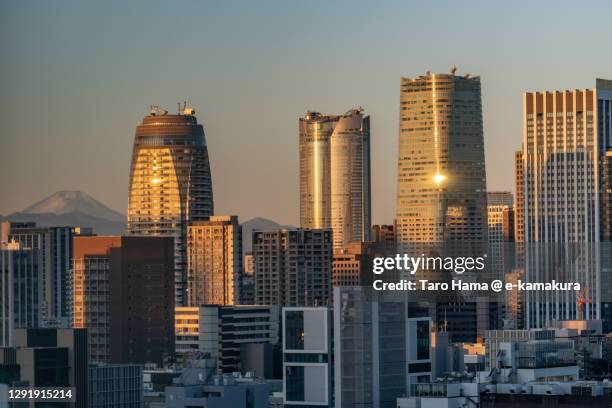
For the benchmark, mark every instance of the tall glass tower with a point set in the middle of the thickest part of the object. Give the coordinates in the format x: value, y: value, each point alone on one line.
x: 170, y: 182
x: 335, y: 175
x: 441, y: 188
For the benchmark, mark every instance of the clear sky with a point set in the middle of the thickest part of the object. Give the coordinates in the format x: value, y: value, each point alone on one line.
x: 77, y: 76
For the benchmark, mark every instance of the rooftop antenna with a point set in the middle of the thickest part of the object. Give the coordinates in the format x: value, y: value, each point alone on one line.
x: 179, y: 108
x: 453, y: 69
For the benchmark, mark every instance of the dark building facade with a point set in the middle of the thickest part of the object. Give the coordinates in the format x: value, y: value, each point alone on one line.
x: 50, y: 358
x: 124, y: 291
x: 293, y: 267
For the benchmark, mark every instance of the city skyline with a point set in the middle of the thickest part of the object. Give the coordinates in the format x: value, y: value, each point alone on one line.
x: 105, y: 93
x: 306, y: 204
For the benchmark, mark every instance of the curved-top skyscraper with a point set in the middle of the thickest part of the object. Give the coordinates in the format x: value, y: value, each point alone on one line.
x: 335, y: 175
x: 170, y: 182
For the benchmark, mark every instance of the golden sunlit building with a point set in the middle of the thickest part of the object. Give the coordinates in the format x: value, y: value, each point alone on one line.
x: 170, y: 182
x: 441, y: 189
x: 214, y: 261
x: 335, y: 175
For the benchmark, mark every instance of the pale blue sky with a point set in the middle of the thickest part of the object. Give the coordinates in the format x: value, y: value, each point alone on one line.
x: 76, y: 77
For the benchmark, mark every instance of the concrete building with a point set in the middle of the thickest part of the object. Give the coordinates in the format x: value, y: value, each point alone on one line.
x: 519, y: 219
x: 379, y: 348
x: 459, y: 394
x: 307, y: 357
x: 115, y: 385
x: 219, y: 332
x: 247, y: 292
x: 170, y: 183
x: 214, y: 261
x: 493, y: 338
x: 262, y: 360
x: 293, y: 267
x: 124, y: 295
x: 49, y: 358
x: 55, y: 246
x: 606, y: 217
x: 196, y: 389
x: 441, y: 165
x: 566, y: 135
x: 335, y: 175
x: 21, y: 289
x: 352, y: 264
x: 385, y: 238
x: 500, y: 217
x: 186, y: 331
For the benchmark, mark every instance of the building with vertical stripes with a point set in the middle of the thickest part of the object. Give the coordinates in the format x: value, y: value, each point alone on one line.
x: 566, y: 137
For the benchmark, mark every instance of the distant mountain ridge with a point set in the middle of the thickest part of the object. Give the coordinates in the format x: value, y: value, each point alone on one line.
x: 64, y: 202
x: 74, y: 208
x: 79, y: 209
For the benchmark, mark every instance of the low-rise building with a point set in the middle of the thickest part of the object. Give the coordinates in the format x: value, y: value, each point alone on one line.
x: 115, y: 385
x: 307, y: 357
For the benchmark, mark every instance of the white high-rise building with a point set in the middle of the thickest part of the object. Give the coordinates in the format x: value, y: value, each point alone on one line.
x: 566, y: 135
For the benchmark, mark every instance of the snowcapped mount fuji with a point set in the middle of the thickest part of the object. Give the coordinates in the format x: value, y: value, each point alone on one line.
x: 64, y: 202
x: 74, y: 208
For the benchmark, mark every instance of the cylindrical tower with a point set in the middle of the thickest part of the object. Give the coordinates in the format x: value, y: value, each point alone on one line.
x: 170, y: 182
x: 335, y: 175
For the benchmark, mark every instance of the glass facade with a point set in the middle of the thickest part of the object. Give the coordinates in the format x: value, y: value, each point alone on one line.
x: 423, y: 340
x: 21, y: 290
x: 335, y: 175
x: 294, y: 383
x: 294, y: 330
x: 170, y: 183
x: 441, y: 166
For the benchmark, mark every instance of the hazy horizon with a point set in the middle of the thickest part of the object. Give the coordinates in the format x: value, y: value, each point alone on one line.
x: 77, y: 77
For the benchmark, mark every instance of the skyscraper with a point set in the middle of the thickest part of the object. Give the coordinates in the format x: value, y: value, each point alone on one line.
x: 170, y: 182
x: 441, y: 168
x: 214, y: 261
x: 565, y: 138
x: 441, y: 187
x: 335, y: 175
x: 293, y: 267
